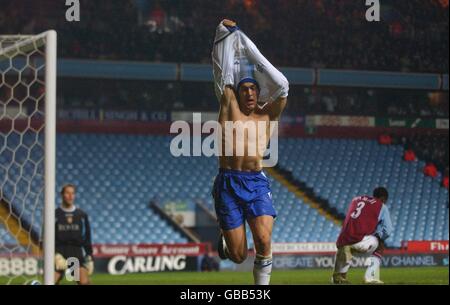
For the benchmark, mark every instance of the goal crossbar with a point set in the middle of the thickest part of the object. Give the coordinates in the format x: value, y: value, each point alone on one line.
x: 22, y: 43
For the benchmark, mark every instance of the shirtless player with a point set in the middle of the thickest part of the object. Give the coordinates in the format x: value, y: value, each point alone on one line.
x: 241, y: 190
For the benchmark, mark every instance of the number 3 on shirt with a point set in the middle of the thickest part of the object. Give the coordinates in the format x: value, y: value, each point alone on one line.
x: 358, y: 210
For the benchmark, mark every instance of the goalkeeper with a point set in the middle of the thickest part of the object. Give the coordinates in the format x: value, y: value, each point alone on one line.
x: 73, y: 237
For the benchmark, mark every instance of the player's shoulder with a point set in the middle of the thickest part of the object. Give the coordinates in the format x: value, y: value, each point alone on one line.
x: 80, y: 212
x: 384, y: 208
x: 359, y: 198
x: 365, y: 198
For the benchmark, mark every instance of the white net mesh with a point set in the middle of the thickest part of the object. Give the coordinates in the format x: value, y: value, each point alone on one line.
x: 22, y: 102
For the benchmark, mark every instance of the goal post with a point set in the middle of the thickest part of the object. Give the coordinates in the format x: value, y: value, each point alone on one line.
x: 50, y: 157
x: 27, y: 157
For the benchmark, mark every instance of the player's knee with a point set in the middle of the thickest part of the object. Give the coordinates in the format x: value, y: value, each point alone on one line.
x: 84, y: 282
x: 263, y: 245
x: 238, y: 257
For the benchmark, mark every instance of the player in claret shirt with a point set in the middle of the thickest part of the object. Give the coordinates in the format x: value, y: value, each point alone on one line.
x: 366, y: 227
x: 73, y: 237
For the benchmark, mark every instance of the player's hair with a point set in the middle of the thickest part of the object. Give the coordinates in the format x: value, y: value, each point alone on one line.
x: 63, y: 189
x: 381, y: 193
x: 248, y: 80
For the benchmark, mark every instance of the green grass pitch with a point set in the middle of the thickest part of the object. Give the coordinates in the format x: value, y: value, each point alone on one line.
x: 403, y: 276
x: 392, y: 276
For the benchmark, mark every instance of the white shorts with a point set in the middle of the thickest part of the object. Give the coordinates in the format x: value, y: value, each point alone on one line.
x: 367, y: 245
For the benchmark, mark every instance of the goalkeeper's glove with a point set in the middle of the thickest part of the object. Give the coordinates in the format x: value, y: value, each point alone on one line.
x: 60, y: 262
x: 89, y: 264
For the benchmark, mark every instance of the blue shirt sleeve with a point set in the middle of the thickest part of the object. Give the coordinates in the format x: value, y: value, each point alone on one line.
x: 384, y: 228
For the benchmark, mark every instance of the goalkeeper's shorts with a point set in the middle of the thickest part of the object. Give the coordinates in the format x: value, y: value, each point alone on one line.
x: 241, y: 195
x: 72, y: 251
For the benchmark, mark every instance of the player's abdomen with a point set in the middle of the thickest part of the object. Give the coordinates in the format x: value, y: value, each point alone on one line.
x: 245, y: 164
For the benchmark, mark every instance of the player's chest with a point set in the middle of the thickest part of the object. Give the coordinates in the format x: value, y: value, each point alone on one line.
x: 241, y: 123
x: 68, y: 222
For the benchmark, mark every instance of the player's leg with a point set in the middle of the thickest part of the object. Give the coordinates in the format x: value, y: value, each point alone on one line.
x: 260, y: 215
x: 261, y: 228
x: 233, y: 240
x: 343, y: 259
x: 58, y: 277
x: 234, y: 244
x: 230, y: 215
x: 84, y: 277
x: 372, y: 275
x: 373, y: 248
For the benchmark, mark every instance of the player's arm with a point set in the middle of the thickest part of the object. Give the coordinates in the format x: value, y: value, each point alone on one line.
x: 223, y: 60
x: 277, y: 84
x: 87, y: 245
x: 281, y: 91
x: 275, y: 109
x: 228, y: 102
x: 60, y: 260
x: 87, y: 241
x: 384, y: 228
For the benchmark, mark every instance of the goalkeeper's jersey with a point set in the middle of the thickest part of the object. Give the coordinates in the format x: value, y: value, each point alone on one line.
x: 72, y: 230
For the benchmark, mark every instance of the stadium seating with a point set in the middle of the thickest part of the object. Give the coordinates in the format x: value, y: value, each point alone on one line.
x: 338, y: 170
x: 21, y: 179
x: 118, y: 175
x: 115, y: 177
x: 5, y: 237
x: 132, y: 170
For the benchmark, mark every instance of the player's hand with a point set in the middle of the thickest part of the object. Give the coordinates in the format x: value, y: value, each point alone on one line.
x: 60, y: 262
x: 381, y: 246
x: 89, y: 264
x: 229, y: 23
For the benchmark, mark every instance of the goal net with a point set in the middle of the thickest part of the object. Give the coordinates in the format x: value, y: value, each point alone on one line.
x: 27, y: 157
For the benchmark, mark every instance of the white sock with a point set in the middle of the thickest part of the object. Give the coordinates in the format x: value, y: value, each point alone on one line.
x: 262, y: 269
x: 373, y: 269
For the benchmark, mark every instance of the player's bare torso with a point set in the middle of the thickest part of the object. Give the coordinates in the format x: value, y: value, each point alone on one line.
x: 249, y: 160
